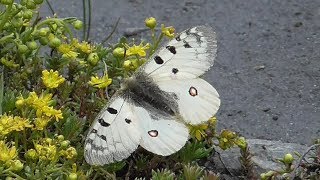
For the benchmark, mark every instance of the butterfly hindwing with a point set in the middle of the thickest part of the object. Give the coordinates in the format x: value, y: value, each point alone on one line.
x: 187, y: 56
x: 162, y: 135
x: 197, y: 99
x: 114, y: 134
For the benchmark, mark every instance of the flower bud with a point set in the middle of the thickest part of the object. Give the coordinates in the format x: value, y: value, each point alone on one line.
x: 22, y: 48
x: 118, y: 52
x: 65, y: 144
x: 27, y: 14
x: 32, y: 45
x: 43, y: 41
x: 288, y: 158
x: 60, y: 137
x: 54, y: 42
x: 16, y: 165
x: 31, y: 4
x: 93, y: 58
x: 19, y: 103
x: 31, y: 154
x: 77, y: 24
x: 151, y: 22
x: 72, y: 176
x: 44, y: 31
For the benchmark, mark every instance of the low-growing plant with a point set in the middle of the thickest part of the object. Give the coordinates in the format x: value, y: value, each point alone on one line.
x: 53, y: 84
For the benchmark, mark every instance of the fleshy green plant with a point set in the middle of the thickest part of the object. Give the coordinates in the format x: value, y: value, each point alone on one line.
x: 53, y: 84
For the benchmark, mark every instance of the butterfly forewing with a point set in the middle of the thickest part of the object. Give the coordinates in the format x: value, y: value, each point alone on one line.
x: 187, y: 56
x: 114, y: 134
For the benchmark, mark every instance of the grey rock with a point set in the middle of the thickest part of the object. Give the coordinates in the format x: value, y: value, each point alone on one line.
x: 264, y: 156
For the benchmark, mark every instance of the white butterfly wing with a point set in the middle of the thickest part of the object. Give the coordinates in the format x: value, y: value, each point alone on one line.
x: 187, y: 56
x: 161, y: 135
x: 114, y: 134
x: 197, y: 99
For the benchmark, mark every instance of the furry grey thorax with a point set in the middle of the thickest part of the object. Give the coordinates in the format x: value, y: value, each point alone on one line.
x: 144, y: 92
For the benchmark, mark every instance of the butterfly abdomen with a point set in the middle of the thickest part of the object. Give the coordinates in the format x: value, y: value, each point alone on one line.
x: 143, y: 92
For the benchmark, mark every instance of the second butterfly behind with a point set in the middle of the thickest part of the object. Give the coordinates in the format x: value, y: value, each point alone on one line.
x: 152, y: 107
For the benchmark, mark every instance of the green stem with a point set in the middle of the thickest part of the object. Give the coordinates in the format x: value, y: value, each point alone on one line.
x: 1, y: 87
x: 113, y: 30
x: 15, y: 175
x: 84, y: 10
x: 155, y: 46
x: 5, y: 17
x: 89, y: 20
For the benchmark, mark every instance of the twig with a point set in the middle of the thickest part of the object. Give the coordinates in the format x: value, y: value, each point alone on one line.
x: 111, y: 33
x: 50, y: 7
x: 293, y: 173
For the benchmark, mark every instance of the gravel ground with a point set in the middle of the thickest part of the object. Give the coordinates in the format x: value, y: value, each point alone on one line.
x: 267, y: 71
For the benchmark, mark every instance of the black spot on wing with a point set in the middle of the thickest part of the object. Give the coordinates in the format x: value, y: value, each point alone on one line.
x: 158, y: 60
x: 178, y: 38
x: 172, y: 49
x: 128, y: 120
x: 103, y: 137
x: 193, y: 91
x: 103, y: 123
x: 175, y: 70
x: 94, y: 131
x: 186, y: 44
x: 112, y: 110
x: 153, y: 133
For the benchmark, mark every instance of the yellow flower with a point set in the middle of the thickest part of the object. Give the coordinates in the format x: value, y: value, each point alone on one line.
x: 198, y: 131
x: 41, y: 123
x: 84, y: 47
x: 38, y: 102
x: 137, y: 50
x: 10, y: 123
x: 67, y: 51
x: 51, y: 112
x: 131, y: 64
x: 102, y: 82
x: 70, y: 153
x: 52, y: 79
x: 167, y: 31
x: 7, y: 153
x: 46, y: 151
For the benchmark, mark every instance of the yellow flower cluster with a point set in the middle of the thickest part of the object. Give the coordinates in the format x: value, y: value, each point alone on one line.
x: 200, y: 131
x: 137, y: 49
x: 102, y: 82
x: 48, y: 149
x: 228, y: 139
x: 9, y: 124
x: 51, y: 79
x: 44, y: 111
x: 8, y: 155
x: 74, y: 49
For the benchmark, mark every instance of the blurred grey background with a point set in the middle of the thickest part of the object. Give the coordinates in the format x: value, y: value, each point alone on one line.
x: 267, y: 71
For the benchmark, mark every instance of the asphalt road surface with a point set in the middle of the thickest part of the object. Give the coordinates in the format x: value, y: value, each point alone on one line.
x: 267, y: 71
